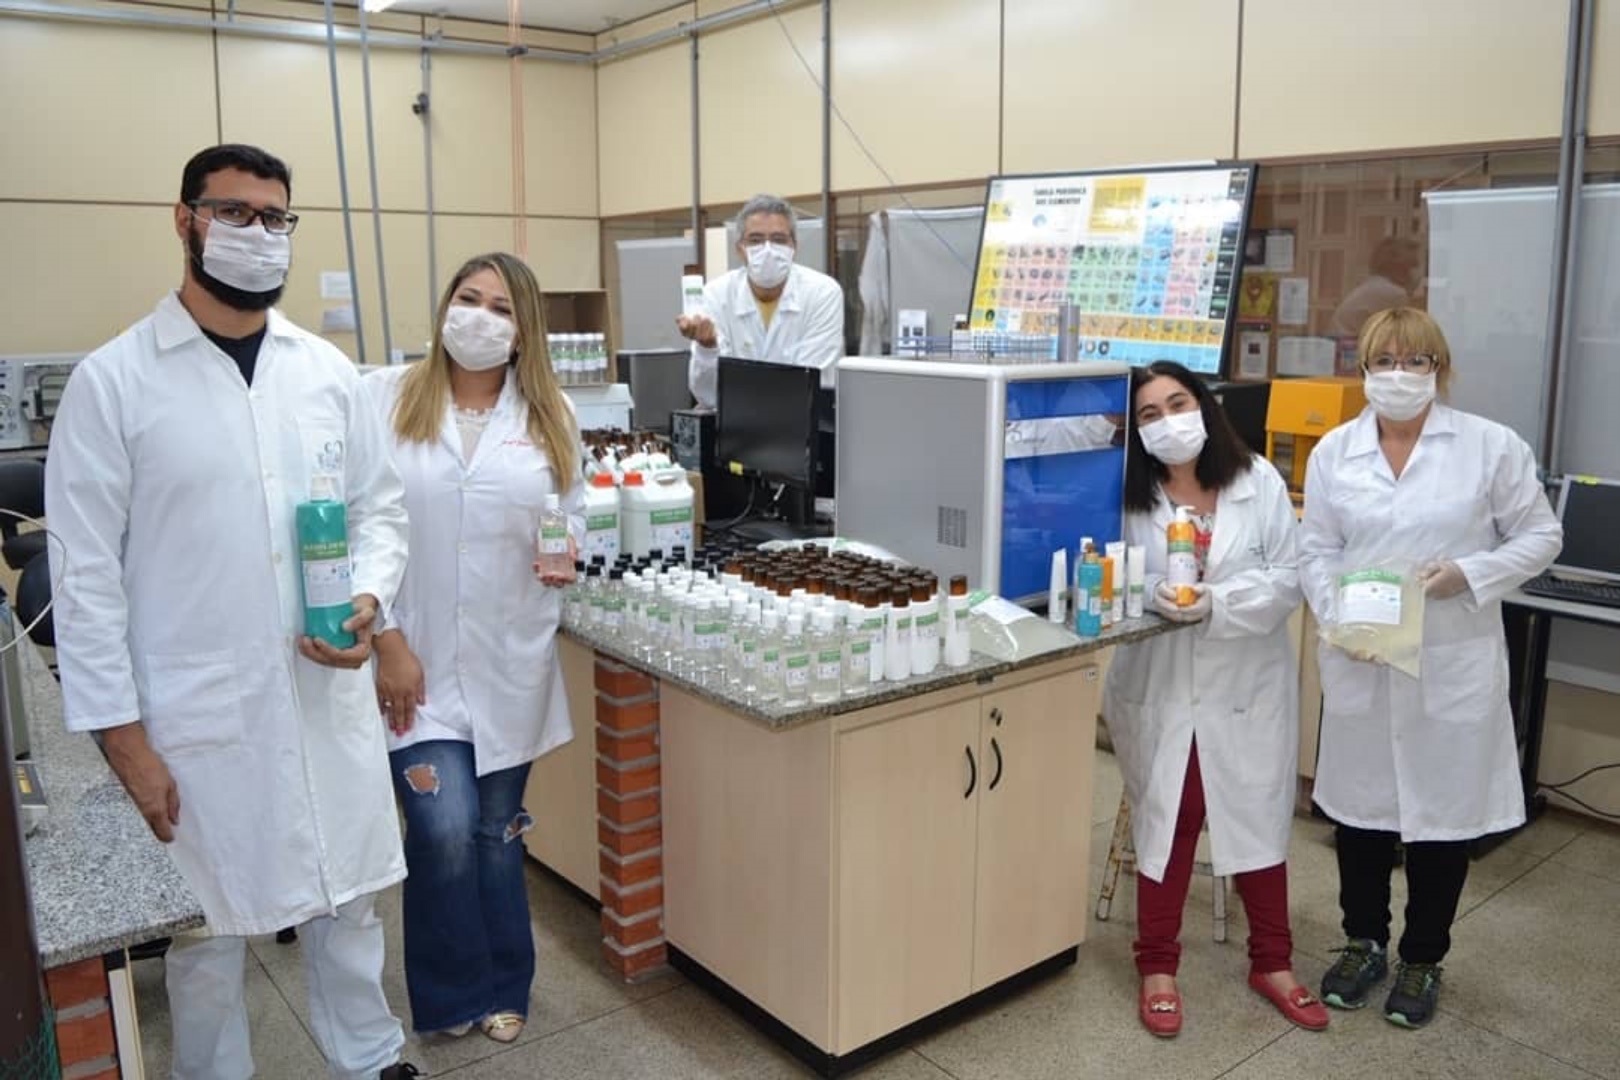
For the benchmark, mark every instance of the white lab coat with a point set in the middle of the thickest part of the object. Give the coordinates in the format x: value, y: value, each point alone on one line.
x: 172, y: 485
x: 1432, y: 758
x: 470, y: 608
x: 1231, y: 681
x: 806, y: 331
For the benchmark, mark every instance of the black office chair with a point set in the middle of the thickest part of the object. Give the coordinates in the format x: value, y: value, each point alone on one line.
x: 34, y: 599
x: 22, y: 491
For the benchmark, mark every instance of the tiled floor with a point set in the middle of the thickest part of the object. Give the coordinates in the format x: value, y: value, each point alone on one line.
x: 1530, y: 992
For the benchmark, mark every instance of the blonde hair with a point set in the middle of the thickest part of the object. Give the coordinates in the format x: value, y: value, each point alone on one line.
x: 425, y: 391
x: 1409, y: 330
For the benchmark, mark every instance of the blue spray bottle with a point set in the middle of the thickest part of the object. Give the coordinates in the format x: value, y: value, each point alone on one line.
x: 323, y: 549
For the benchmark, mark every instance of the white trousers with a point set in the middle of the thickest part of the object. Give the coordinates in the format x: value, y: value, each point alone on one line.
x: 343, y: 962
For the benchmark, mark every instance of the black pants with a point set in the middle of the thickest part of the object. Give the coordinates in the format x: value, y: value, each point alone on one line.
x: 1435, y: 872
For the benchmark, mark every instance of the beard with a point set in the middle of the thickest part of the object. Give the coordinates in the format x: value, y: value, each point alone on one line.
x: 229, y: 295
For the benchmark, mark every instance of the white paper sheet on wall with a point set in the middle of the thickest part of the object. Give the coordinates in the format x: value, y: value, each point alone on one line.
x: 1293, y: 301
x: 1305, y: 356
x: 338, y: 320
x: 1254, y: 354
x: 336, y: 285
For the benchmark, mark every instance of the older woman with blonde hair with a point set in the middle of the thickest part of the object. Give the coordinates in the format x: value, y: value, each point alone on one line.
x: 466, y: 668
x: 1428, y: 760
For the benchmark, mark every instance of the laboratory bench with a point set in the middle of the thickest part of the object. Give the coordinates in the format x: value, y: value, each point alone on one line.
x: 100, y: 884
x: 847, y: 875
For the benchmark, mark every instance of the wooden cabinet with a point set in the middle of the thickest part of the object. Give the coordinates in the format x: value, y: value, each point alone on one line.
x: 907, y: 807
x: 561, y: 794
x: 1034, y: 822
x: 852, y: 875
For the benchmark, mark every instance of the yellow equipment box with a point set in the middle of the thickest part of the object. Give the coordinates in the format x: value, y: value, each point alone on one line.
x: 1301, y: 411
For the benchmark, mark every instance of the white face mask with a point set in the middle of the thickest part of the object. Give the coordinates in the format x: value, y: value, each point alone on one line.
x: 768, y: 264
x: 477, y: 338
x: 1175, y: 439
x: 1398, y: 395
x: 249, y: 258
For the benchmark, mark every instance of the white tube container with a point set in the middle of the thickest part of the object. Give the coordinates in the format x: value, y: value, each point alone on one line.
x: 1057, y: 589
x: 925, y: 635
x: 1116, y: 552
x: 1136, y: 575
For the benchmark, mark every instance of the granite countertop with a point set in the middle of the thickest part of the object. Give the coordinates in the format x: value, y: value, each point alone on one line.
x: 100, y: 880
x: 981, y: 668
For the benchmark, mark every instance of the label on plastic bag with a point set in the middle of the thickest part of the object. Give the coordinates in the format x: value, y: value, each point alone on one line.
x: 1370, y: 596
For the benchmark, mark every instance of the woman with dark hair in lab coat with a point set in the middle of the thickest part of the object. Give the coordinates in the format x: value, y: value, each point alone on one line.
x: 1205, y: 720
x: 466, y: 667
x: 1430, y: 761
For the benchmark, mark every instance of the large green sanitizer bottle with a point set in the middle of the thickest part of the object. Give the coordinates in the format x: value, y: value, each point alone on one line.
x: 323, y: 548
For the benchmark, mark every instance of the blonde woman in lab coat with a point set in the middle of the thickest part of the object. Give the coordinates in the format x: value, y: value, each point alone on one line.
x: 1429, y: 761
x: 466, y: 668
x: 1205, y: 720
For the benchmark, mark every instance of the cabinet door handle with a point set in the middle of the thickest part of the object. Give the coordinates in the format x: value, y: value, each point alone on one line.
x: 996, y: 779
x: 995, y: 717
x: 973, y: 773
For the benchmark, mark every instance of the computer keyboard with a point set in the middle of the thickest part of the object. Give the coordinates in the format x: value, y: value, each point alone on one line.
x: 1604, y: 594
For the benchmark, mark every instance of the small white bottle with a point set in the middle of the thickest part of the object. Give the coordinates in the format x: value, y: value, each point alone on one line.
x: 747, y: 650
x: 826, y: 658
x: 958, y: 639
x: 1115, y: 552
x: 861, y: 623
x: 880, y: 635
x: 924, y: 630
x: 613, y: 605
x: 770, y: 657
x: 897, y: 642
x: 551, y: 539
x: 795, y: 663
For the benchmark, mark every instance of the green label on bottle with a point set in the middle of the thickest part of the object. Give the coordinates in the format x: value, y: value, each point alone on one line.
x: 800, y: 660
x: 671, y: 517
x: 925, y: 621
x: 601, y: 522
x: 860, y: 648
x: 316, y: 550
x: 829, y: 656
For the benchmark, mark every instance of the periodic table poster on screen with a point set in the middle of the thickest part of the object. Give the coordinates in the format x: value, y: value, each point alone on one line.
x: 1150, y: 259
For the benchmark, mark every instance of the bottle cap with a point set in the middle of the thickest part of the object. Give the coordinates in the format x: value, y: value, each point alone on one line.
x: 959, y: 585
x: 602, y: 480
x: 634, y: 479
x: 616, y: 574
x: 323, y: 487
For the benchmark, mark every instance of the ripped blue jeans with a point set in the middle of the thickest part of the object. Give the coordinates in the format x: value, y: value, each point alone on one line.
x: 469, y: 951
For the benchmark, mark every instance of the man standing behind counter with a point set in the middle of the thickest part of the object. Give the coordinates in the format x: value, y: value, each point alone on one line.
x: 770, y: 310
x: 178, y: 454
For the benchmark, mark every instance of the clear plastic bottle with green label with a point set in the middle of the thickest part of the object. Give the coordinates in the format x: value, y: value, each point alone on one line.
x: 323, y: 551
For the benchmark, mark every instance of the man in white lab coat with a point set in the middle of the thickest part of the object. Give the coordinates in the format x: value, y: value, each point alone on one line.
x: 255, y: 753
x: 772, y: 309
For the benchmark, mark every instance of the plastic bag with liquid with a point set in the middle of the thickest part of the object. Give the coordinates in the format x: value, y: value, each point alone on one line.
x: 1380, y: 615
x: 1002, y: 629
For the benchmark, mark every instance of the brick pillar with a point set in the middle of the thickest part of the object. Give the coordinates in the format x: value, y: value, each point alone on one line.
x: 629, y: 821
x: 84, y: 1023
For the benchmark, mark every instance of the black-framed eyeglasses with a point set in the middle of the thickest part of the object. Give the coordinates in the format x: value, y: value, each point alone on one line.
x: 239, y: 215
x: 1420, y: 364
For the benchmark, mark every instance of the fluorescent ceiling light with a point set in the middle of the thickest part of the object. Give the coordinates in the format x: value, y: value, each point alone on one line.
x: 375, y: 6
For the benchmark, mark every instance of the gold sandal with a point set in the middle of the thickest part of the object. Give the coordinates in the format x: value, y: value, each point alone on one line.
x: 503, y: 1027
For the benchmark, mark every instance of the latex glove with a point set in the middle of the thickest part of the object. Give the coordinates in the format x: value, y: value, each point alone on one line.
x: 1442, y: 580
x: 1164, y: 602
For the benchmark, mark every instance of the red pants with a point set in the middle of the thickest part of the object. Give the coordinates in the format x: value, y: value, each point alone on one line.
x: 1159, y: 903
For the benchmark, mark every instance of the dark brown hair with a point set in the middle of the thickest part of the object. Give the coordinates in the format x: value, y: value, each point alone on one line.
x: 1223, y: 458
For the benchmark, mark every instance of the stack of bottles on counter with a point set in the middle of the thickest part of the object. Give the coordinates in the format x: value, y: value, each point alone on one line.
x: 787, y: 628
x: 578, y: 359
x: 636, y: 498
x: 1108, y: 586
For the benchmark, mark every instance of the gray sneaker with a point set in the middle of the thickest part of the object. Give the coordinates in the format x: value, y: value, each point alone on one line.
x: 1361, y: 966
x: 1413, y: 998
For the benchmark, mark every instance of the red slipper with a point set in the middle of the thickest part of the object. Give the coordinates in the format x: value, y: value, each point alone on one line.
x: 1161, y: 1013
x: 1299, y: 1006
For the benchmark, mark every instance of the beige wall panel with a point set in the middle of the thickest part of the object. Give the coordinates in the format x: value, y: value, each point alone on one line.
x: 566, y: 254
x: 120, y: 260
x: 761, y: 110
x: 888, y: 62
x: 277, y: 94
x: 80, y: 109
x: 1604, y: 102
x: 1580, y: 732
x: 472, y: 135
x: 1325, y: 77
x: 644, y: 111
x: 559, y: 123
x: 1097, y: 83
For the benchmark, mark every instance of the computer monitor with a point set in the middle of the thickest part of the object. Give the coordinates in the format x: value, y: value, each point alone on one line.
x: 1590, y: 512
x: 767, y: 424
